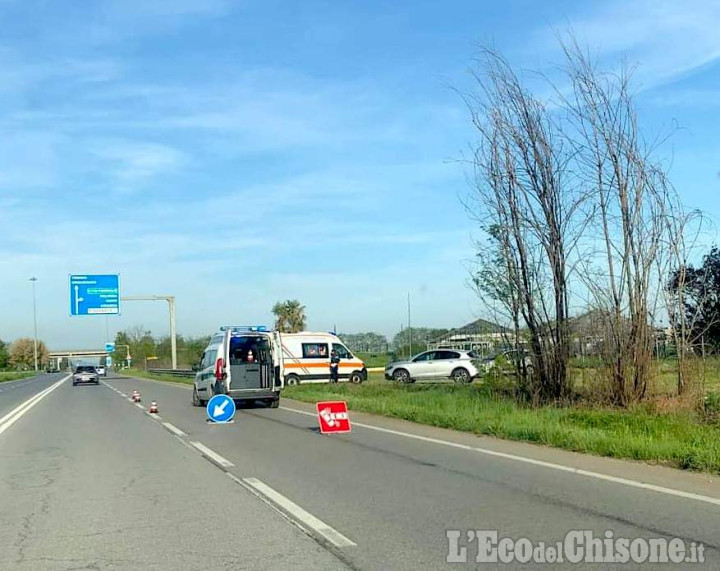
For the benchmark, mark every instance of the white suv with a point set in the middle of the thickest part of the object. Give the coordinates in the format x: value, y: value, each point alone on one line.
x: 460, y: 366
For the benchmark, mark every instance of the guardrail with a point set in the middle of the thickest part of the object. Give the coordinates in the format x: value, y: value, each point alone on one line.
x: 189, y: 373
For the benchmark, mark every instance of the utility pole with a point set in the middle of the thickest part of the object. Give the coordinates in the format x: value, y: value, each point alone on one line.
x: 409, y: 326
x: 35, y: 345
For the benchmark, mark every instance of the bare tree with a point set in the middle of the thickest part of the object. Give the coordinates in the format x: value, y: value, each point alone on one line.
x: 631, y: 195
x: 523, y: 201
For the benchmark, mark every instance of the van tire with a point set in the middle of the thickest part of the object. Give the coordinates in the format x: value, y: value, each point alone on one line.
x: 356, y: 378
x: 292, y: 380
x: 196, y: 397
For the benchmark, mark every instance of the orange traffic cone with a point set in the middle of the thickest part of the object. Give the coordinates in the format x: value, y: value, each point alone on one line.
x: 153, y: 408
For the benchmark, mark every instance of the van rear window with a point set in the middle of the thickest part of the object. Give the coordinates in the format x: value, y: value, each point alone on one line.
x: 315, y: 350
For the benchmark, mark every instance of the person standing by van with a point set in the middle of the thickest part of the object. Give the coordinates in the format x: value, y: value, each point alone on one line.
x: 334, y: 366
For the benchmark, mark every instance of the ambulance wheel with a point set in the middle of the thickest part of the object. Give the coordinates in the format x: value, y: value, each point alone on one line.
x: 292, y: 380
x: 356, y: 378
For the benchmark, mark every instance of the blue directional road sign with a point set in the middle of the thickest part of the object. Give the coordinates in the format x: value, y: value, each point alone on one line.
x: 220, y: 408
x: 109, y: 347
x: 95, y: 295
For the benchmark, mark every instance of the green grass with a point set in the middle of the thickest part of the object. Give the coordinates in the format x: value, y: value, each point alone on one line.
x: 677, y: 439
x: 373, y: 360
x: 15, y: 375
x: 156, y: 376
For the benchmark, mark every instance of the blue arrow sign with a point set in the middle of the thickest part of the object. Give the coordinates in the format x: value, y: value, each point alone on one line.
x: 95, y: 294
x: 220, y: 408
x: 109, y: 347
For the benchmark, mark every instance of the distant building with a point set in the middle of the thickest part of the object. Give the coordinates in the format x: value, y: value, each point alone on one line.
x: 484, y: 337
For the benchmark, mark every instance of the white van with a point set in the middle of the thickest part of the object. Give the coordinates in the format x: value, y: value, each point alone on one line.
x: 243, y: 362
x: 306, y: 359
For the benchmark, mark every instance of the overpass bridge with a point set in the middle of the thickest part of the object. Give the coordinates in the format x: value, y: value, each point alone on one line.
x: 56, y: 357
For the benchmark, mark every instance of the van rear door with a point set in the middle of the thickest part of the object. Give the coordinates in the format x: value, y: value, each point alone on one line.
x: 224, y: 354
x: 278, y: 360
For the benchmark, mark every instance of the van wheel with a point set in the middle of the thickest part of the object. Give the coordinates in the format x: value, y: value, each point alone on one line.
x: 196, y: 397
x: 356, y: 378
x: 292, y: 381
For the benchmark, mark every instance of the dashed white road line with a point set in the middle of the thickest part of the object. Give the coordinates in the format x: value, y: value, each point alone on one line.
x: 305, y: 517
x: 212, y: 455
x: 174, y: 429
x: 14, y: 415
x: 139, y: 405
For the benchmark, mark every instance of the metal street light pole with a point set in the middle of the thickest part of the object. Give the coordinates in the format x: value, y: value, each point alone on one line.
x: 35, y: 344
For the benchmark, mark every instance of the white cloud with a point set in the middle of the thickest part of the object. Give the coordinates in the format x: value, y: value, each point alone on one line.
x: 134, y: 162
x: 664, y: 38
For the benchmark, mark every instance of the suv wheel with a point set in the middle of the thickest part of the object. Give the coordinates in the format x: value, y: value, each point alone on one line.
x: 461, y: 376
x: 402, y: 376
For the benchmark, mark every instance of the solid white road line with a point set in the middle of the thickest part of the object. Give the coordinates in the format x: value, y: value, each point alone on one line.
x: 13, y: 416
x: 174, y: 429
x: 542, y: 463
x: 306, y: 518
x: 137, y: 404
x: 212, y: 455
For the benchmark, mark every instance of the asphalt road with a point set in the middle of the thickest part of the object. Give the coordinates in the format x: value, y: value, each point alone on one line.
x: 89, y: 480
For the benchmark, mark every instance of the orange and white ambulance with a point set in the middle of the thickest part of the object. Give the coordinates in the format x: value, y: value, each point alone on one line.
x: 306, y: 359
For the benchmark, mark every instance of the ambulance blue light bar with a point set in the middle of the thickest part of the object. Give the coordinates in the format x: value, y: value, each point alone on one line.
x: 243, y: 328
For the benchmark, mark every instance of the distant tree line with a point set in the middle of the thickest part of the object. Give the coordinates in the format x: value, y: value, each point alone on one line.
x: 20, y: 354
x: 141, y: 345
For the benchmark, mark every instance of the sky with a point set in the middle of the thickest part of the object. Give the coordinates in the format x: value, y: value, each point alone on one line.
x: 237, y: 153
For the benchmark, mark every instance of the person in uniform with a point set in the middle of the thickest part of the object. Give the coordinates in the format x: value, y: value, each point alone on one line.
x: 334, y: 366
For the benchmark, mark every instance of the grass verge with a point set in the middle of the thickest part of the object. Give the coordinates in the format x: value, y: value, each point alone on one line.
x: 16, y: 375
x: 678, y: 439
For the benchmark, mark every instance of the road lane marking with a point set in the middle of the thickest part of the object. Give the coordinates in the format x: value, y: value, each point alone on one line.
x: 516, y: 458
x: 212, y: 455
x: 14, y: 415
x: 139, y: 405
x: 174, y: 429
x: 541, y: 463
x: 305, y: 517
